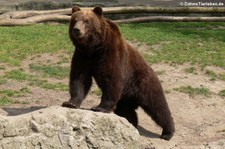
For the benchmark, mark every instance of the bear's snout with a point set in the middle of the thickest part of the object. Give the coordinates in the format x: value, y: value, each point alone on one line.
x: 76, y: 31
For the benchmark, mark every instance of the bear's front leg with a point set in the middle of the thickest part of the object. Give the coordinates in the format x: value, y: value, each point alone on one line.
x: 106, y: 105
x: 109, y: 98
x: 79, y: 88
x: 80, y: 81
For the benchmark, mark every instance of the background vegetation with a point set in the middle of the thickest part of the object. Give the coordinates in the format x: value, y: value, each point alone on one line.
x: 201, y: 44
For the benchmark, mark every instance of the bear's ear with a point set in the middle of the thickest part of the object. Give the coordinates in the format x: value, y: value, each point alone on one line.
x: 98, y: 11
x: 75, y: 9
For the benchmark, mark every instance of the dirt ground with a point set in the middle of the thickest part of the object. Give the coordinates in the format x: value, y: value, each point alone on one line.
x: 199, y: 120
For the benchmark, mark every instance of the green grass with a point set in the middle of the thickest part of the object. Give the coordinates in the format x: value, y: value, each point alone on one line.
x: 222, y: 93
x: 211, y: 74
x: 7, y: 96
x: 221, y: 76
x: 161, y: 72
x: 20, y: 102
x: 35, y: 81
x: 19, y: 75
x: 167, y: 91
x: 46, y: 85
x: 51, y: 71
x: 190, y: 70
x: 214, y: 75
x: 195, y: 43
x: 10, y: 93
x: 221, y: 131
x: 2, y: 81
x: 4, y: 101
x: 194, y: 91
x: 2, y: 67
x: 181, y: 42
x: 19, y: 42
x: 97, y: 92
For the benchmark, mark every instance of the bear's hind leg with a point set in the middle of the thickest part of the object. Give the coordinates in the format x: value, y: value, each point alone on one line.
x: 126, y: 108
x: 160, y: 113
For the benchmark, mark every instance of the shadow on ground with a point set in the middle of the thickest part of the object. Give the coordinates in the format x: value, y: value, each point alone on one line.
x: 146, y: 133
x: 20, y: 111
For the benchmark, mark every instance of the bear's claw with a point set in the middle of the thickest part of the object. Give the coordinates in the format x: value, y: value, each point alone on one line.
x: 69, y: 104
x: 100, y: 109
x: 167, y: 136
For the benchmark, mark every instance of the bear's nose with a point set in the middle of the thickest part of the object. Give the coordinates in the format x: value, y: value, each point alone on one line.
x: 76, y: 31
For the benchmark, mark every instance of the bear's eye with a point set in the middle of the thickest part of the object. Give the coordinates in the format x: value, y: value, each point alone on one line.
x: 86, y: 21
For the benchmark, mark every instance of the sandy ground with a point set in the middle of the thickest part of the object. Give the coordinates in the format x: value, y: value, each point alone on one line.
x: 199, y: 120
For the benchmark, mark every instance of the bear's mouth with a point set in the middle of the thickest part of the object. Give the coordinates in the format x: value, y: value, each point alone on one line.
x: 90, y: 38
x: 78, y: 36
x: 84, y: 39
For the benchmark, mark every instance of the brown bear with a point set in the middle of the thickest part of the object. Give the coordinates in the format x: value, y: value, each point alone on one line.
x: 125, y: 79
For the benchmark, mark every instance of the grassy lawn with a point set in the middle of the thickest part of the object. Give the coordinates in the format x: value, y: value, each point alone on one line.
x: 197, y: 43
x: 194, y: 91
x: 19, y: 42
x: 200, y: 44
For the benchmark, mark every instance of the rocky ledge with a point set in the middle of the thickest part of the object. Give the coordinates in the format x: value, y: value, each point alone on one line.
x: 58, y: 127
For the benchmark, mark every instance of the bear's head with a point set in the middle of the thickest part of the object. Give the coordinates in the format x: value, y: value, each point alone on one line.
x: 86, y: 26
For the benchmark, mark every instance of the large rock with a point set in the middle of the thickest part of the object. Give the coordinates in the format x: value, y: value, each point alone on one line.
x: 58, y: 127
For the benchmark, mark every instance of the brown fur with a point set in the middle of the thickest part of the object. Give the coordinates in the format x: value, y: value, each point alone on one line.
x: 120, y: 71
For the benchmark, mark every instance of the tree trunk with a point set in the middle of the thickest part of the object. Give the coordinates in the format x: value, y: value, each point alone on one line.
x: 148, y: 9
x: 32, y: 17
x: 34, y: 20
x: 115, y: 10
x: 30, y: 13
x: 58, y: 18
x: 172, y: 19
